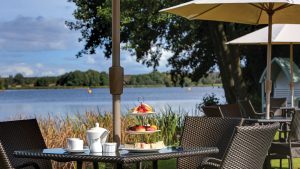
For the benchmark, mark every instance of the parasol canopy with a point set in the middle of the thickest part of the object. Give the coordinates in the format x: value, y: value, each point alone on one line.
x: 246, y: 12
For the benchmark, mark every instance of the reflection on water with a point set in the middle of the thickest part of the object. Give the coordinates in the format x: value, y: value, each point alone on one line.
x: 62, y: 101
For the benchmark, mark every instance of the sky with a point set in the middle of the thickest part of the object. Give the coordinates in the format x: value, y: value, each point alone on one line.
x: 34, y: 41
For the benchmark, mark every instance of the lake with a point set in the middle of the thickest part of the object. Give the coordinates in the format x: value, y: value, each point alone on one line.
x: 42, y: 102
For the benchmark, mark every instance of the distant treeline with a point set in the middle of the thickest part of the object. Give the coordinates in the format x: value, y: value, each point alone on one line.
x: 92, y: 78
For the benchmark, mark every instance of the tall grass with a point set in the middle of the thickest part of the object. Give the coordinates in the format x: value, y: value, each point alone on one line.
x: 57, y: 128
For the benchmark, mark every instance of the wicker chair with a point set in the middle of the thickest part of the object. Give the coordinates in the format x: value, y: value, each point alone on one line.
x: 231, y: 110
x: 291, y: 148
x: 205, y: 131
x: 18, y: 135
x: 212, y: 111
x: 247, y: 150
x: 248, y: 110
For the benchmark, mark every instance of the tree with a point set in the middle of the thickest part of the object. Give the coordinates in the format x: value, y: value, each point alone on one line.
x: 104, y: 80
x: 8, y: 81
x: 93, y: 78
x: 19, y: 79
x: 43, y: 81
x: 197, y: 46
x: 2, y: 84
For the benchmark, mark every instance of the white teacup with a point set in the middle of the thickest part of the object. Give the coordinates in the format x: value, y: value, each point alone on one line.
x: 74, y: 144
x: 109, y: 147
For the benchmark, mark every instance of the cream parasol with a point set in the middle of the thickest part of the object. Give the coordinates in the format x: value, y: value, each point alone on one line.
x: 247, y: 12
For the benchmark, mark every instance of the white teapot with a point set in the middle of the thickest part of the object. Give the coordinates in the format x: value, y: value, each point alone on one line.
x: 96, y: 137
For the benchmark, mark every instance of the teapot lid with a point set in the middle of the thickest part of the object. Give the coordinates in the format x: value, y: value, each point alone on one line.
x: 96, y: 127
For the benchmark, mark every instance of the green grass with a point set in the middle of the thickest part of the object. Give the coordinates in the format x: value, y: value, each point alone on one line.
x: 171, y: 164
x: 296, y: 163
x: 167, y: 164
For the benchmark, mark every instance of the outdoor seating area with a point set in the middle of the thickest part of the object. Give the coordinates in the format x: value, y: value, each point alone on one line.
x: 236, y: 107
x: 205, y: 142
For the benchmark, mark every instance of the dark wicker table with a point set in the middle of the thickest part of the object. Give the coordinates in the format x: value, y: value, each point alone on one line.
x: 271, y: 120
x: 119, y: 158
x: 287, y: 111
x: 284, y: 124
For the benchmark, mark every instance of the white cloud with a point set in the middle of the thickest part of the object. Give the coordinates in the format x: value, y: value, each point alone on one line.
x: 164, y: 58
x: 17, y: 68
x: 60, y: 71
x: 36, y: 70
x: 48, y: 73
x: 132, y: 67
x: 90, y: 59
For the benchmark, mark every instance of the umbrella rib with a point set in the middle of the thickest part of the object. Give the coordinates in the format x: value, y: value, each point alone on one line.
x: 260, y: 7
x: 283, y: 6
x: 206, y: 11
x: 259, y: 16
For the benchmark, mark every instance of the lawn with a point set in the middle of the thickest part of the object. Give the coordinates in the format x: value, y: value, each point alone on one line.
x: 170, y: 164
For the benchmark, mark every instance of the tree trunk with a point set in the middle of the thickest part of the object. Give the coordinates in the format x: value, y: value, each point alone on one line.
x: 228, y: 59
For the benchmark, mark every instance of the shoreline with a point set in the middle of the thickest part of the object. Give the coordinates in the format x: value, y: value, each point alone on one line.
x: 96, y: 87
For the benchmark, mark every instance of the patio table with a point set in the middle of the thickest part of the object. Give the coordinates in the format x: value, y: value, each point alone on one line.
x: 284, y: 124
x: 270, y: 120
x: 287, y: 111
x: 119, y: 158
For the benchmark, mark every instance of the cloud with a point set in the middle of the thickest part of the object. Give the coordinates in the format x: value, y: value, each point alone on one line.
x: 48, y: 73
x: 134, y: 67
x: 30, y: 70
x: 90, y: 59
x: 25, y: 34
x: 164, y: 58
x: 61, y: 71
x: 16, y: 68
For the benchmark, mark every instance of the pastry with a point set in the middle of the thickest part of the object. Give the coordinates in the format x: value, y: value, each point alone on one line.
x: 157, y: 145
x: 145, y: 146
x: 129, y: 145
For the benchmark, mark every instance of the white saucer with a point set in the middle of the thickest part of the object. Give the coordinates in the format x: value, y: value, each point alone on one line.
x: 75, y: 151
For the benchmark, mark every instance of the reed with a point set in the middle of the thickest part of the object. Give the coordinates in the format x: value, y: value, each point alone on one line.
x: 57, y: 128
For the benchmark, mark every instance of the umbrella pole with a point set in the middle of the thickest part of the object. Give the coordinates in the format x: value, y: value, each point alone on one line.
x: 268, y: 81
x: 116, y: 73
x: 292, y: 74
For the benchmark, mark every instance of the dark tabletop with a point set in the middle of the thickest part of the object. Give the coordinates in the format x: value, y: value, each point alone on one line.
x: 271, y: 120
x: 123, y: 156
